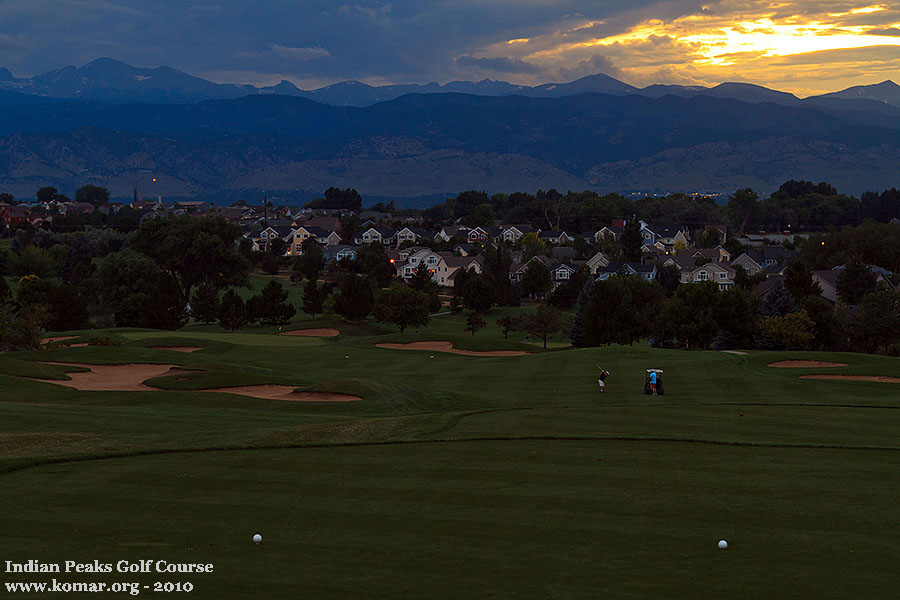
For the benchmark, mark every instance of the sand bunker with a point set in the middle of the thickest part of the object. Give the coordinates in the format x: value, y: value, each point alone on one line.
x: 326, y: 332
x: 788, y: 364
x: 111, y: 378
x: 178, y: 348
x: 50, y: 340
x: 877, y: 378
x: 283, y: 392
x: 131, y: 378
x: 448, y: 347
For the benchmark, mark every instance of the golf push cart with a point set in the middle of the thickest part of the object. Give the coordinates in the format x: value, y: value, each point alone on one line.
x: 659, y: 382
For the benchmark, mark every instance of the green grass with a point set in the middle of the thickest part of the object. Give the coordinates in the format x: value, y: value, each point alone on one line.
x: 456, y: 476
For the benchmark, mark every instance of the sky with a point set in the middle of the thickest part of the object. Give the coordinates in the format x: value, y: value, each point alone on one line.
x: 804, y: 47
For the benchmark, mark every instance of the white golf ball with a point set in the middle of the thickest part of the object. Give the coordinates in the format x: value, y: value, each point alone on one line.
x: 722, y: 544
x: 432, y: 356
x: 257, y: 539
x: 347, y: 357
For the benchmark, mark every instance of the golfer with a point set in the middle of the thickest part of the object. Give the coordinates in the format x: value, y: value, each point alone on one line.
x: 653, y: 383
x: 603, y: 375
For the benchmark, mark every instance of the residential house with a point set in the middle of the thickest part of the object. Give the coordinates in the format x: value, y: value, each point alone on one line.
x: 597, y: 261
x: 451, y: 265
x: 411, y: 234
x: 670, y: 235
x: 720, y: 273
x: 645, y: 272
x: 514, y: 233
x: 450, y: 231
x: 14, y: 215
x: 339, y: 252
x: 517, y: 270
x: 552, y: 236
x: 827, y: 280
x: 560, y: 273
x: 381, y: 235
x: 611, y: 231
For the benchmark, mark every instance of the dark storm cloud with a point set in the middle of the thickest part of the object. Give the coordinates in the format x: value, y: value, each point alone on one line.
x: 414, y: 40
x: 499, y: 65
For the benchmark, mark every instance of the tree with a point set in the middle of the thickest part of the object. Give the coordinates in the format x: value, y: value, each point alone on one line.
x: 669, y: 277
x: 354, y: 300
x: 312, y: 298
x: 507, y: 324
x: 205, y: 304
x: 826, y: 327
x: 778, y: 301
x: 337, y: 198
x: 743, y: 207
x: 5, y: 292
x: 20, y: 326
x: 93, y: 194
x: 126, y: 280
x: 402, y: 306
x: 271, y: 306
x: 621, y: 310
x: 47, y: 194
x: 65, y: 309
x: 792, y: 329
x: 478, y: 293
x: 799, y: 282
x: 194, y: 250
x: 165, y: 307
x: 584, y: 296
x: 375, y: 263
x: 854, y: 281
x: 536, y: 280
x: 532, y: 246
x: 309, y: 263
x: 690, y: 316
x: 632, y: 240
x: 735, y: 313
x: 474, y: 323
x: 877, y: 322
x: 543, y: 322
x: 421, y: 277
x: 232, y: 312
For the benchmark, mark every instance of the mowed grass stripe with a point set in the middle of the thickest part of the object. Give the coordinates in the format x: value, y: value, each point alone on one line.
x: 521, y: 519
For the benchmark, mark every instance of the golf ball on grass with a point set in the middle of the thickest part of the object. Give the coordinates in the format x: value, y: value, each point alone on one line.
x: 722, y: 544
x: 257, y: 539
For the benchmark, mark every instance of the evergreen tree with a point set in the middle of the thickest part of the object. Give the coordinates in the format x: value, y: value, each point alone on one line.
x: 778, y: 302
x: 536, y: 280
x: 420, y: 277
x: 799, y: 282
x: 5, y: 292
x: 354, y: 300
x: 204, y: 303
x: 271, y: 306
x: 584, y: 296
x: 854, y: 281
x: 632, y: 240
x: 312, y: 298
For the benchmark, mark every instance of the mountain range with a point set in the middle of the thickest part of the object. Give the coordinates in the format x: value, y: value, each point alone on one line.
x: 112, y: 81
x: 113, y: 125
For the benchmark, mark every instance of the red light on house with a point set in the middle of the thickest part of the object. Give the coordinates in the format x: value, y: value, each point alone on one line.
x: 392, y: 261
